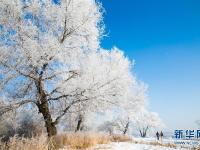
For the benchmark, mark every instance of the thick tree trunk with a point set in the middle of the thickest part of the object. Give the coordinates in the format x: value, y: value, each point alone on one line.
x: 43, y: 107
x: 49, y: 124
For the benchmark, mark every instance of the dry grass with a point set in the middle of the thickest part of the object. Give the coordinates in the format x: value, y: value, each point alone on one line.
x: 37, y: 143
x: 66, y: 141
x: 196, y: 148
x: 170, y: 145
x: 80, y: 140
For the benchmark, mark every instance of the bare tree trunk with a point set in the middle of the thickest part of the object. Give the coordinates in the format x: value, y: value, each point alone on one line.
x: 126, y: 128
x: 43, y: 107
x: 78, y: 127
x: 143, y: 132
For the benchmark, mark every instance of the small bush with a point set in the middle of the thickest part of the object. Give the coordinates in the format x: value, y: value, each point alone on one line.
x: 26, y: 127
x: 120, y: 138
x: 6, y: 131
x: 29, y: 128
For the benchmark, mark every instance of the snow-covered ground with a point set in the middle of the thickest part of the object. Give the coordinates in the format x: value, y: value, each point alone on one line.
x: 149, y: 144
x: 188, y: 144
x: 131, y: 146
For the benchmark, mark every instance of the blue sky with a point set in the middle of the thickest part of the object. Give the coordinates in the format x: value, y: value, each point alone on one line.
x: 163, y: 37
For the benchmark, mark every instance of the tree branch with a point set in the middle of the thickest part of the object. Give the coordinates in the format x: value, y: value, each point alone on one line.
x: 17, y: 70
x: 6, y: 108
x: 67, y: 108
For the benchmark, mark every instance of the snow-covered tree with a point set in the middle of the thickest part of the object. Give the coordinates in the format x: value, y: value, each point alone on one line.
x: 146, y: 121
x: 108, y: 126
x: 41, y: 46
x: 105, y: 79
x: 51, y: 61
x: 134, y: 101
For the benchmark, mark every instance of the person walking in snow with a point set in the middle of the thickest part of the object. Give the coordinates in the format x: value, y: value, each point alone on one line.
x: 161, y: 136
x: 157, y: 135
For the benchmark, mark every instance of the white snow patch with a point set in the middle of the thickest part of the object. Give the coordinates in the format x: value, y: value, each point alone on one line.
x: 131, y: 146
